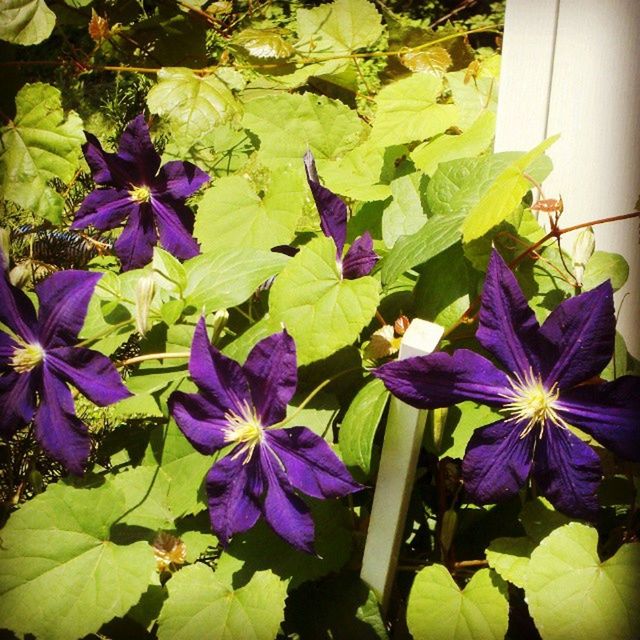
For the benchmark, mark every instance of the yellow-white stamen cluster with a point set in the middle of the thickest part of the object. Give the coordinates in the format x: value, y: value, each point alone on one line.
x: 140, y: 194
x: 533, y: 403
x: 244, y: 429
x: 27, y: 357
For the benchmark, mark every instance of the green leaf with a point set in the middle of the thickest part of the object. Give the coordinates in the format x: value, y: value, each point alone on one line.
x: 59, y: 543
x: 434, y: 60
x: 322, y: 311
x: 408, y: 110
x: 572, y: 594
x: 39, y: 145
x: 26, y: 21
x: 439, y: 609
x: 438, y: 234
x: 503, y: 196
x: 225, y: 279
x: 235, y: 214
x: 168, y: 272
x: 193, y: 103
x: 472, y: 142
x: 404, y: 215
x: 341, y: 26
x: 264, y: 43
x: 289, y: 124
x: 199, y: 602
x: 360, y: 424
x: 510, y: 556
x: 182, y: 468
x: 605, y: 266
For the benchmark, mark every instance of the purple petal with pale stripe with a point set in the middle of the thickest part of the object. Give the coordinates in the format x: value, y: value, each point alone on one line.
x: 440, y: 380
x: 497, y: 462
x: 285, y: 512
x: 93, y: 374
x: 360, y: 258
x: 179, y: 179
x: 175, y: 225
x: 64, y: 297
x: 568, y: 473
x: 312, y: 467
x: 233, y: 491
x: 200, y: 419
x: 135, y: 245
x: 18, y: 401
x: 332, y: 210
x: 104, y: 209
x: 610, y: 412
x: 508, y: 327
x: 219, y: 377
x: 62, y: 435
x: 17, y: 311
x: 136, y: 148
x: 272, y: 374
x: 582, y: 330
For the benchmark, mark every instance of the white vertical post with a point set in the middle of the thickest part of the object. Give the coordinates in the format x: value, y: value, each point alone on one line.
x: 570, y: 67
x: 396, y: 474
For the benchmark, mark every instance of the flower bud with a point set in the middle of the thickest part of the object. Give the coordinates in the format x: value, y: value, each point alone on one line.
x: 220, y: 319
x: 583, y: 249
x: 21, y: 274
x: 145, y: 289
x: 4, y: 248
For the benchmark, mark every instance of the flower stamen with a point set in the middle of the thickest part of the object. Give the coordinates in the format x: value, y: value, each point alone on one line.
x: 533, y: 403
x: 244, y: 429
x: 27, y: 358
x: 140, y: 194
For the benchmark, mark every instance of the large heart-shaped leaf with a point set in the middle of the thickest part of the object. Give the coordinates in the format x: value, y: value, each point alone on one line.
x: 573, y: 594
x: 321, y: 310
x: 439, y: 609
x: 26, y: 21
x: 61, y: 575
x: 201, y: 605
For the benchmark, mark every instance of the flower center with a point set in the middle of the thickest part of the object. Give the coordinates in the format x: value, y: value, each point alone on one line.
x: 140, y: 194
x: 532, y: 402
x: 244, y: 429
x: 26, y: 358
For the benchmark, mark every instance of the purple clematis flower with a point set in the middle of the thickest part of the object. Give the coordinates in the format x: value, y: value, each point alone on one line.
x: 133, y: 189
x: 38, y: 359
x: 241, y: 406
x: 550, y: 386
x: 360, y: 258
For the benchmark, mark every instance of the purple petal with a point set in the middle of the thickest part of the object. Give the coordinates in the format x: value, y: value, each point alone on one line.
x: 136, y: 148
x: 582, y: 329
x: 202, y: 422
x: 62, y: 435
x: 312, y: 467
x: 508, y: 327
x: 332, y: 210
x: 272, y: 374
x: 610, y: 412
x: 104, y: 209
x: 440, y: 380
x: 497, y: 462
x: 568, y: 473
x: 285, y: 512
x: 64, y: 297
x: 175, y: 226
x: 106, y: 168
x: 360, y: 259
x: 135, y: 245
x: 93, y: 374
x: 7, y: 346
x: 233, y: 490
x: 179, y: 179
x: 18, y: 401
x: 16, y: 310
x: 221, y: 378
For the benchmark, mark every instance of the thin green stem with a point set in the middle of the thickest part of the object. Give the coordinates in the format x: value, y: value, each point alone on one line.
x: 153, y: 356
x: 106, y: 332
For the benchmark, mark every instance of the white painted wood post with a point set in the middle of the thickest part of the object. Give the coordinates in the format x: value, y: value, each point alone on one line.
x: 396, y: 474
x: 570, y: 67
